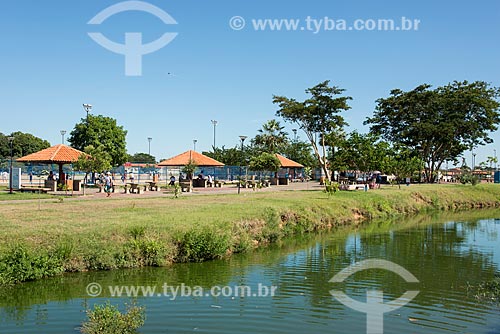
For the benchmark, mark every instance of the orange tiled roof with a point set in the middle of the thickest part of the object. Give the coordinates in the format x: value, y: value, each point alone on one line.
x: 55, y: 154
x: 198, y: 158
x: 287, y: 163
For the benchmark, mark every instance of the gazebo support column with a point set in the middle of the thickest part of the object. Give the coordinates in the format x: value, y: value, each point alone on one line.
x: 62, y: 176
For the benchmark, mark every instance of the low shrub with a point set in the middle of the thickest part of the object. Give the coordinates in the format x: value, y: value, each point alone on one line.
x: 146, y: 252
x: 20, y: 264
x: 200, y: 245
x: 107, y: 319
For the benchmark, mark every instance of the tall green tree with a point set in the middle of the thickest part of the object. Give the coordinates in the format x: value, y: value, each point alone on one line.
x: 142, y: 157
x: 99, y: 130
x: 402, y: 163
x: 300, y: 152
x: 97, y: 159
x: 438, y: 124
x: 23, y: 144
x: 271, y: 138
x: 360, y: 152
x: 316, y: 116
x: 492, y: 161
x: 233, y: 156
x: 265, y: 162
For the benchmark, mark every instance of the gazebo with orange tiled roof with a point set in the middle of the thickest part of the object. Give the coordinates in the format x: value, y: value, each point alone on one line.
x: 193, y: 156
x: 58, y: 154
x: 288, y: 163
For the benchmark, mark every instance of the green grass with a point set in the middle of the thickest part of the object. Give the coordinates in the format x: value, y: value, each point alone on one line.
x: 122, y: 232
x: 6, y: 196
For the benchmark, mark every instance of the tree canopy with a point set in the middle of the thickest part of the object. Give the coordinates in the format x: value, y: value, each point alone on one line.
x: 402, y: 163
x: 96, y: 159
x: 300, y: 152
x: 439, y: 124
x: 361, y: 152
x: 23, y: 144
x: 317, y: 115
x: 100, y: 130
x: 265, y: 162
x: 142, y: 157
x: 271, y: 138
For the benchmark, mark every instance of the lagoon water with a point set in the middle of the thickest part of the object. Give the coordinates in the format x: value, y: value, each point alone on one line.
x: 444, y: 254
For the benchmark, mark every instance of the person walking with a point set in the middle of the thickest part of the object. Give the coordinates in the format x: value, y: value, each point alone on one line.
x: 108, y: 184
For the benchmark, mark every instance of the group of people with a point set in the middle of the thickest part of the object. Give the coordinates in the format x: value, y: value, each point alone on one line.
x: 107, y: 180
x: 182, y: 177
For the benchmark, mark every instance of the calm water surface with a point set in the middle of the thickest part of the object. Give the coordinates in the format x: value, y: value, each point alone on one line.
x: 443, y: 253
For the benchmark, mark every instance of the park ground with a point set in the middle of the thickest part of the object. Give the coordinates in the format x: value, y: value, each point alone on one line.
x: 54, y: 234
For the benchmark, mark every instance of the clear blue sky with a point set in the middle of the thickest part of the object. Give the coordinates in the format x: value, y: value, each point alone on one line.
x: 49, y: 66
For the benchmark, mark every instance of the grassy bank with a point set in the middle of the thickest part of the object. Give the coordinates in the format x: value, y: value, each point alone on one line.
x: 120, y: 233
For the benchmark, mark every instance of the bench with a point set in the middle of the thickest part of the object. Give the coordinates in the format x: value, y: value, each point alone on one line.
x: 35, y: 189
x: 218, y: 183
x: 132, y: 188
x: 251, y: 184
x: 199, y: 183
x: 151, y: 186
x: 352, y: 187
x: 186, y: 186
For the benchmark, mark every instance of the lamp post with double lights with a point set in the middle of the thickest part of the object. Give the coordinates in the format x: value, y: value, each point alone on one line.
x: 88, y: 108
x: 11, y: 140
x: 149, y: 145
x: 194, y: 144
x: 242, y: 138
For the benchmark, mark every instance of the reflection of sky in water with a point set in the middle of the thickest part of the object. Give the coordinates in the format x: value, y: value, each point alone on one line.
x: 353, y: 242
x: 483, y: 238
x: 480, y: 238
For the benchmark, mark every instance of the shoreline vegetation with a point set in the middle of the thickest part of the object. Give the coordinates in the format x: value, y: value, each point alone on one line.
x: 83, y: 235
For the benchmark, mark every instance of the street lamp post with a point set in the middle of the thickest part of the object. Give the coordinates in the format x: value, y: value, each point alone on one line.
x: 149, y: 145
x: 63, y: 132
x: 294, y: 135
x: 242, y: 138
x: 11, y: 139
x: 194, y: 144
x: 214, y: 122
x: 473, y: 162
x: 88, y: 108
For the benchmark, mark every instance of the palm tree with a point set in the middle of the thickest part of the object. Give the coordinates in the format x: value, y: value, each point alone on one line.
x: 492, y: 160
x: 271, y: 137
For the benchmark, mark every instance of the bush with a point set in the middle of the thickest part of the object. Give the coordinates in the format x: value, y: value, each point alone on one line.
x: 146, y: 252
x: 199, y: 245
x: 331, y: 187
x: 20, y: 264
x: 107, y: 319
x: 272, y: 230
